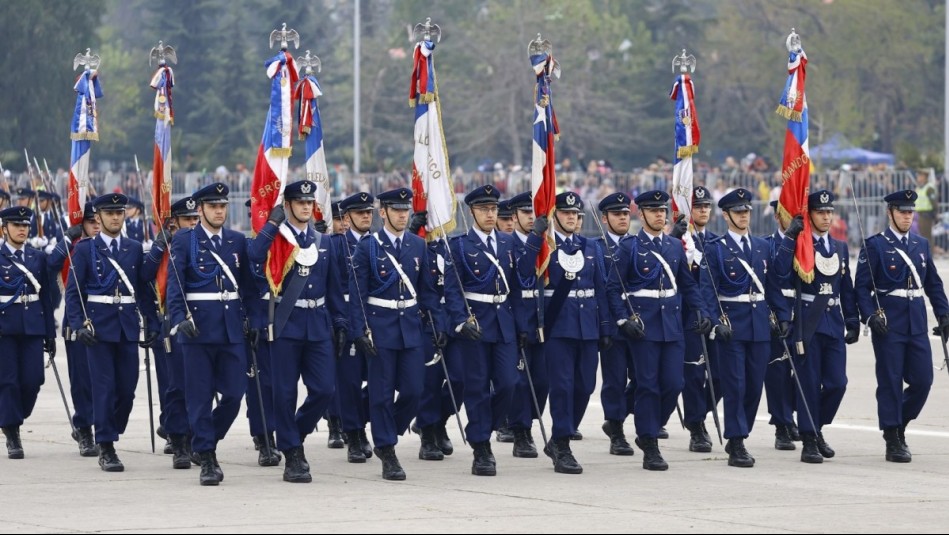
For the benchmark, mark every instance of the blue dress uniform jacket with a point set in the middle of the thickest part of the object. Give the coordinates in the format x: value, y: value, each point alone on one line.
x: 26, y: 318
x: 526, y: 308
x: 135, y: 229
x: 570, y: 321
x: 749, y: 322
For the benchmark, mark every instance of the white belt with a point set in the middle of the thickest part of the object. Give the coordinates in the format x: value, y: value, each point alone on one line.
x: 530, y: 294
x: 909, y: 294
x: 25, y: 298
x: 654, y: 294
x: 809, y: 298
x: 307, y: 303
x: 789, y: 294
x: 579, y: 294
x: 743, y: 298
x: 485, y: 298
x: 111, y: 299
x: 392, y: 304
x: 222, y: 296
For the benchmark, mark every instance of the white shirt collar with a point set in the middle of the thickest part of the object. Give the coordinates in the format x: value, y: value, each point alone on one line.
x: 484, y: 236
x: 108, y: 240
x: 208, y: 232
x: 563, y: 237
x: 11, y: 248
x: 899, y: 235
x: 392, y: 237
x: 615, y: 237
x: 523, y: 237
x: 356, y: 235
x: 737, y: 237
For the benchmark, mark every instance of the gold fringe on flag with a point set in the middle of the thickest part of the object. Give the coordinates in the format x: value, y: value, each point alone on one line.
x: 281, y: 152
x: 274, y: 290
x: 788, y: 113
x: 85, y: 136
x: 304, y: 131
x: 687, y: 151
x: 806, y: 276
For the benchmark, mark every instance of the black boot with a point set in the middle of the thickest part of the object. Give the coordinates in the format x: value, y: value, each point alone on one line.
x: 87, y: 444
x: 364, y: 443
x: 266, y: 454
x: 179, y: 459
x: 794, y: 432
x: 504, y: 433
x: 618, y: 443
x: 391, y: 469
x: 207, y: 477
x: 738, y: 455
x: 697, y: 441
x: 705, y: 434
x: 824, y: 448
x: 272, y: 440
x: 663, y: 434
x: 442, y: 440
x: 294, y: 471
x: 14, y: 446
x: 523, y: 445
x: 902, y: 434
x: 354, y: 453
x: 652, y: 459
x: 108, y: 460
x: 895, y: 452
x: 782, y: 438
x: 558, y: 450
x: 335, y: 439
x: 483, y: 463
x: 216, y: 466
x: 429, y: 451
x: 810, y: 452
x: 577, y: 435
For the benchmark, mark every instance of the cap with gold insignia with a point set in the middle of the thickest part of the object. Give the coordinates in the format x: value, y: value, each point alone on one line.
x: 302, y: 190
x: 617, y: 202
x: 903, y: 200
x: 569, y: 201
x: 16, y: 214
x: 400, y: 199
x: 486, y: 194
x: 652, y: 199
x: 821, y: 201
x: 214, y: 193
x: 358, y: 202
x: 522, y: 201
x: 186, y: 207
x: 737, y: 200
x: 701, y: 196
x: 111, y: 202
x: 504, y: 209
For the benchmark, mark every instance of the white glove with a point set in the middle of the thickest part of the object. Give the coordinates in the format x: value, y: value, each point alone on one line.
x: 147, y: 246
x: 38, y: 242
x: 52, y: 245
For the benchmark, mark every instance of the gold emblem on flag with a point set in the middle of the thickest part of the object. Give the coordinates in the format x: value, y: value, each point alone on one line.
x: 283, y: 81
x: 161, y: 99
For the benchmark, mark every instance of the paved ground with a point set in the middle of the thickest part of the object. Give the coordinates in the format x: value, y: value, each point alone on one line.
x: 55, y: 490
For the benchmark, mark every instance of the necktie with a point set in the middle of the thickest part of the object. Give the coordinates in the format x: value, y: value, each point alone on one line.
x: 114, y: 247
x: 658, y: 241
x: 216, y: 240
x: 745, y: 247
x: 19, y: 256
x: 491, y: 245
x: 903, y: 241
x: 398, y: 245
x: 301, y: 239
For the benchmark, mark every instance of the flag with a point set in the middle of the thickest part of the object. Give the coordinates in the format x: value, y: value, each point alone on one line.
x: 311, y: 130
x: 687, y: 137
x: 272, y: 166
x: 84, y: 130
x: 546, y: 132
x: 796, y: 169
x: 162, y: 82
x: 432, y: 188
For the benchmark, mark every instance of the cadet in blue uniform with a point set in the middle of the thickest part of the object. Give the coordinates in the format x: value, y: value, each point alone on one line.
x: 653, y: 279
x: 396, y: 294
x: 576, y: 318
x: 737, y: 265
x: 77, y: 360
x: 103, y: 310
x: 351, y: 370
x: 829, y: 309
x: 479, y: 303
x: 616, y: 362
x: 45, y: 215
x: 171, y: 383
x: 309, y: 324
x: 26, y: 321
x: 211, y: 261
x: 134, y: 226
x: 897, y: 266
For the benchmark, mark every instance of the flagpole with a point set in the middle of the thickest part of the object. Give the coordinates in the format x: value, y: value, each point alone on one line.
x: 356, y: 119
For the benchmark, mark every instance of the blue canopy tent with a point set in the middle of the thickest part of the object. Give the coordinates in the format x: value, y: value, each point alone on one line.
x: 839, y: 149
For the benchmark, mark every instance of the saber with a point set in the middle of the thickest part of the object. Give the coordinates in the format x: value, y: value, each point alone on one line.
x: 797, y: 380
x: 355, y: 279
x: 255, y: 373
x: 451, y: 261
x: 451, y: 391
x: 36, y: 195
x: 945, y: 353
x: 634, y: 316
x: 62, y: 393
x: 49, y: 180
x: 39, y: 173
x: 141, y: 186
x: 148, y: 382
x: 530, y: 383
x: 863, y: 240
x: 711, y: 389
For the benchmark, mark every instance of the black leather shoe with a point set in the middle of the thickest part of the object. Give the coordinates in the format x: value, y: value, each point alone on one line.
x: 161, y: 432
x: 663, y: 434
x: 364, y: 443
x: 618, y: 443
x: 354, y: 453
x: 272, y: 439
x: 577, y: 435
x: 266, y: 455
x: 523, y: 445
x: 180, y: 459
x: 652, y: 459
x: 294, y: 470
x: 108, y: 460
x: 87, y: 443
x: 697, y: 441
x: 902, y: 434
x: 335, y: 439
x: 168, y: 449
x: 429, y: 451
x: 782, y: 439
x: 705, y: 434
x: 564, y: 462
x: 14, y: 446
x: 216, y: 466
x: 504, y: 434
x: 207, y: 477
x: 794, y: 433
x: 810, y: 453
x: 391, y: 468
x: 442, y: 440
x: 738, y: 455
x: 895, y: 452
x: 826, y: 451
x: 483, y: 463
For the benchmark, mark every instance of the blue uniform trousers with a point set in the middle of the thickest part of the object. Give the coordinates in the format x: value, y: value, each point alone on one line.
x: 779, y: 386
x: 113, y: 368
x: 619, y: 371
x: 391, y: 370
x: 315, y: 364
x: 902, y: 359
x: 487, y: 365
x: 823, y: 376
x: 571, y: 366
x: 742, y: 365
x: 522, y: 413
x: 352, y: 401
x: 696, y: 394
x: 80, y: 384
x: 265, y: 373
x: 658, y: 383
x: 176, y: 410
x: 211, y: 368
x: 435, y: 406
x: 21, y: 375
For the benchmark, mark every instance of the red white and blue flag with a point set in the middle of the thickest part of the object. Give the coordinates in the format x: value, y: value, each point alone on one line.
x: 311, y: 130
x: 273, y: 160
x: 432, y: 188
x: 687, y: 136
x: 546, y: 132
x: 162, y: 82
x: 796, y: 168
x: 84, y: 130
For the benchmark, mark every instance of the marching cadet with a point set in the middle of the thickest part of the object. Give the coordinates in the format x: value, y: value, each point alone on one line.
x: 895, y: 268
x: 106, y: 300
x: 351, y: 370
x: 505, y: 222
x: 25, y: 197
x: 829, y: 309
x: 576, y: 320
x: 697, y: 392
x: 736, y: 269
x: 653, y: 279
x: 391, y: 294
x: 616, y: 363
x: 340, y: 226
x: 479, y: 301
x: 26, y: 321
x: 45, y: 215
x: 77, y: 359
x: 174, y: 414
x: 310, y: 324
x: 778, y: 383
x: 205, y: 308
x: 134, y: 225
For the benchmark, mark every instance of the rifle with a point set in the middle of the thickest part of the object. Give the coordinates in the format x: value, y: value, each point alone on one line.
x: 36, y: 196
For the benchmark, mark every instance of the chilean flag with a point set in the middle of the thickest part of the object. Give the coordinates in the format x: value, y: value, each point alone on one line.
x: 796, y: 168
x: 311, y: 130
x: 84, y: 130
x: 162, y: 82
x: 546, y: 131
x: 272, y: 166
x: 687, y: 136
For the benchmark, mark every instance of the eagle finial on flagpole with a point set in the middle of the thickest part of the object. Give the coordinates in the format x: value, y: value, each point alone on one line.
x: 162, y: 54
x: 308, y: 62
x: 684, y: 63
x: 793, y: 42
x: 427, y: 31
x: 284, y: 36
x: 89, y: 60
